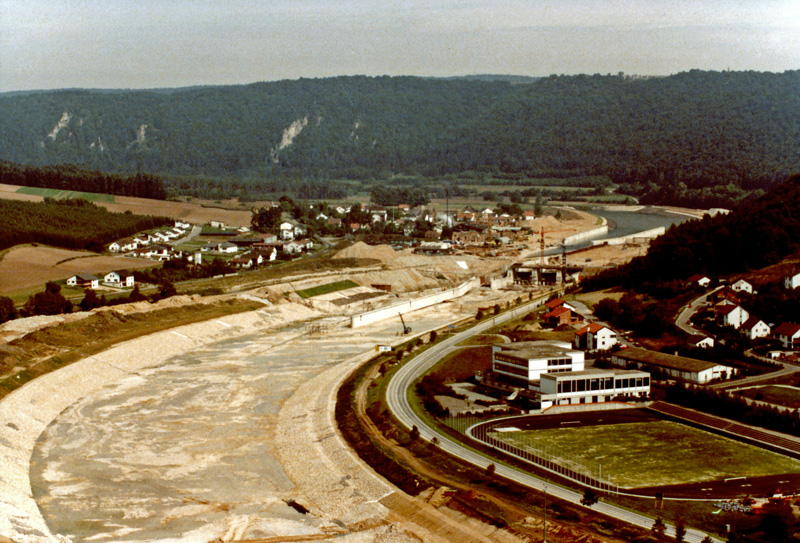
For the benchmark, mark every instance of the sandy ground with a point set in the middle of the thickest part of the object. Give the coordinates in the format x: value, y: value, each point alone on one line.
x: 190, y: 212
x: 26, y: 266
x: 182, y: 436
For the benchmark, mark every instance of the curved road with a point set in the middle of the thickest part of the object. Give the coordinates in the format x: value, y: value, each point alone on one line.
x: 397, y: 401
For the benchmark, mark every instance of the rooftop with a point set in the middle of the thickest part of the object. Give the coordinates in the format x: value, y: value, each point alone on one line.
x: 664, y: 360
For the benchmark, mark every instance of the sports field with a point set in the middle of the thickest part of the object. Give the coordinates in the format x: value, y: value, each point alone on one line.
x: 648, y: 454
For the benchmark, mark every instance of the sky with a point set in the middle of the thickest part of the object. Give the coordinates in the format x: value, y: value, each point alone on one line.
x: 51, y: 44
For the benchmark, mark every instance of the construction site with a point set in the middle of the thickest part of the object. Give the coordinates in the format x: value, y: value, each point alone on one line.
x: 223, y: 430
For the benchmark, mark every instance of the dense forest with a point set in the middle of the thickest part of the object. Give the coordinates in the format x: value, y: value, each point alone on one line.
x: 70, y: 177
x: 695, y: 138
x: 758, y: 233
x: 72, y: 224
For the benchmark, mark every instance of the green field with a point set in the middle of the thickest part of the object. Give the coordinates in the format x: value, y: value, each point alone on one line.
x: 775, y: 394
x: 653, y: 453
x: 326, y: 289
x: 57, y: 194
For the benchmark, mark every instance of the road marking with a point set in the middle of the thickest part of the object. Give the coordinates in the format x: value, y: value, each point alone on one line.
x: 225, y: 324
x: 179, y: 334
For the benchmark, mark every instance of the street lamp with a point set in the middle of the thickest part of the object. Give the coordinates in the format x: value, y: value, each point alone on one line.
x: 544, y: 525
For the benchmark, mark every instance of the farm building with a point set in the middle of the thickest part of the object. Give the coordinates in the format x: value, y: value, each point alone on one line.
x: 676, y: 367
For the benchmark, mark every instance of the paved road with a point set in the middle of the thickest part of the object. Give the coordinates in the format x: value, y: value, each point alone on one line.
x: 688, y: 312
x: 397, y: 401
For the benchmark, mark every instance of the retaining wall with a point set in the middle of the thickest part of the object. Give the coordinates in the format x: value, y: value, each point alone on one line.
x: 649, y: 234
x: 577, y: 238
x: 392, y: 311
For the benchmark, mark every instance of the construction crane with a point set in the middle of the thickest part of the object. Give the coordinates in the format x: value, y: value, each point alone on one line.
x: 406, y: 329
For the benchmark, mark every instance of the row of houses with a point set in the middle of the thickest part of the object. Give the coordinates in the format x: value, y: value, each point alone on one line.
x: 117, y: 278
x: 729, y: 313
x: 266, y: 244
x: 138, y: 241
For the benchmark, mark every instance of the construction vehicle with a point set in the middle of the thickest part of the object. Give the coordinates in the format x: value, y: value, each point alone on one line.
x: 406, y: 329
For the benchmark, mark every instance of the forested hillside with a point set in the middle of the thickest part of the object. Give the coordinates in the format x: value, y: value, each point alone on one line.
x: 760, y: 232
x: 694, y: 138
x: 72, y: 224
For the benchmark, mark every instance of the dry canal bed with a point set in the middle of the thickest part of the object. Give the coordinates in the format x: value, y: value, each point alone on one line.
x: 185, y: 451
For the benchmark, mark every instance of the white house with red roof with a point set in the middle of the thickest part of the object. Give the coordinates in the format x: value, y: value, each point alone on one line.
x: 788, y: 333
x: 701, y: 280
x: 595, y: 337
x: 733, y: 315
x: 755, y: 328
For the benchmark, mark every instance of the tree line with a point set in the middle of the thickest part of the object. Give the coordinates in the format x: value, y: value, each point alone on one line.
x: 71, y: 224
x: 73, y: 178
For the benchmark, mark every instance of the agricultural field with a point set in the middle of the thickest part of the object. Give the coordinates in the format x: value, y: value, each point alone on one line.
x: 67, y: 194
x: 784, y: 395
x: 25, y: 269
x: 195, y: 213
x: 649, y: 454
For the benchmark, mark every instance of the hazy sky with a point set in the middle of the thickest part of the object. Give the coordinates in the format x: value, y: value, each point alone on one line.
x: 47, y: 44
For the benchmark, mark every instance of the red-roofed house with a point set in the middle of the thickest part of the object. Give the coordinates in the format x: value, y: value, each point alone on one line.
x: 788, y: 334
x: 755, y: 328
x: 733, y: 315
x: 595, y: 336
x: 558, y: 302
x: 561, y: 316
x: 701, y: 280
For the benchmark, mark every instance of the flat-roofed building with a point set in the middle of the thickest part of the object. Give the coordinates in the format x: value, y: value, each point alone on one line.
x: 520, y: 364
x: 676, y: 367
x: 593, y: 386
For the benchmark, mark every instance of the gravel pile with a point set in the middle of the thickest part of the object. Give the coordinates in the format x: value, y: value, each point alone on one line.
x: 384, y: 253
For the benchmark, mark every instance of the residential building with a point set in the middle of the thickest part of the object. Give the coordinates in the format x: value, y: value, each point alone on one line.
x: 85, y: 280
x: 562, y: 316
x: 119, y: 278
x: 755, y: 328
x: 733, y: 315
x: 595, y: 337
x: 227, y: 247
x: 742, y: 286
x: 704, y: 342
x: 788, y: 333
x: 701, y: 280
x: 792, y: 282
